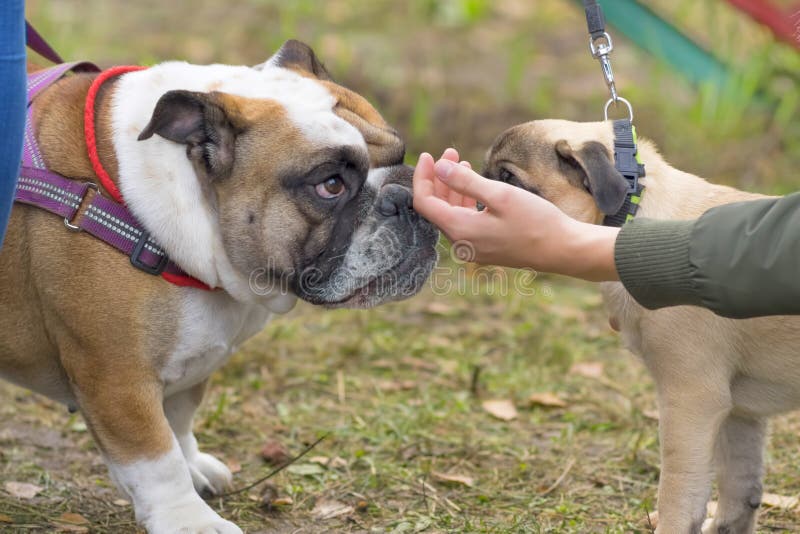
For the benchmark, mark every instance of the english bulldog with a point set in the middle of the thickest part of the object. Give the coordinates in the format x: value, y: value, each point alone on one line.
x: 265, y: 184
x: 718, y: 380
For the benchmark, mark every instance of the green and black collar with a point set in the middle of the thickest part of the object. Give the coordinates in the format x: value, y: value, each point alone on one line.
x: 629, y: 165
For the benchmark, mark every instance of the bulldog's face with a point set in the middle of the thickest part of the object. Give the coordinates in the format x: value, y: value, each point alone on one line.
x: 568, y: 163
x: 310, y: 193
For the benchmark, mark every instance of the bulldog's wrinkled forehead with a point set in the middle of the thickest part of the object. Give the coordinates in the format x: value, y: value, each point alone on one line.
x: 307, y: 102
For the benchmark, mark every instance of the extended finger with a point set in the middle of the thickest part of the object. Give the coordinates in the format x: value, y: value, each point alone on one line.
x: 426, y: 202
x: 451, y: 154
x: 422, y: 183
x: 469, y: 183
x: 441, y: 189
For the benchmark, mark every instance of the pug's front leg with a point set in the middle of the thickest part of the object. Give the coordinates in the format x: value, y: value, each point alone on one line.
x: 688, y: 426
x: 209, y: 476
x: 127, y: 418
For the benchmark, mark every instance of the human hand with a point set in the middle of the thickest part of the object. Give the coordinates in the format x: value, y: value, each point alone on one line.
x: 517, y: 228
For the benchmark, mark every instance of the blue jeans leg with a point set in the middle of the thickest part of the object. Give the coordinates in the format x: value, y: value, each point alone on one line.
x: 12, y: 102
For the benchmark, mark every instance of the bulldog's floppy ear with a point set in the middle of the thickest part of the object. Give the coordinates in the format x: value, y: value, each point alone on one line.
x: 606, y: 185
x: 298, y: 56
x: 201, y: 122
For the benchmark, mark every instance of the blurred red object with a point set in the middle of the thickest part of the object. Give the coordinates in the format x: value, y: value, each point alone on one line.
x: 785, y: 25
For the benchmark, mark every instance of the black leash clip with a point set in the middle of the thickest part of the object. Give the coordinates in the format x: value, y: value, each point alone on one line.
x: 601, y: 46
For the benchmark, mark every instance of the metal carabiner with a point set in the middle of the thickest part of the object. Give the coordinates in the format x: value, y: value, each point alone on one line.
x: 608, y: 73
x: 603, y: 49
x: 601, y: 53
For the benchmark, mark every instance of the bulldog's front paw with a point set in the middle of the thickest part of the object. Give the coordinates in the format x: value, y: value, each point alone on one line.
x: 209, y: 476
x: 192, y: 517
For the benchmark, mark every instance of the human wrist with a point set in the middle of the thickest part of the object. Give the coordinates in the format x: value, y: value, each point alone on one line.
x: 589, y: 252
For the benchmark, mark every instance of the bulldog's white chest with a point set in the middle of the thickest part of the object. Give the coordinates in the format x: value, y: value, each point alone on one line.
x: 212, y: 326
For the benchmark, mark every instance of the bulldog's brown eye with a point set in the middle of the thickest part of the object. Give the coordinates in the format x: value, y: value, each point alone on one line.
x: 330, y: 188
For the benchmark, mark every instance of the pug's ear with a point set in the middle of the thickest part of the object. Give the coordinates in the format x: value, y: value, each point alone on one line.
x: 202, y: 122
x: 298, y: 56
x: 606, y: 185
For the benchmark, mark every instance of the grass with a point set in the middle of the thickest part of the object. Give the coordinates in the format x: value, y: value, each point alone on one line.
x: 395, y: 391
x: 398, y: 390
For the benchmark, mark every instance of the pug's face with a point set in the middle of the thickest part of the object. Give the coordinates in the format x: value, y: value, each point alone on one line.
x: 568, y: 163
x: 307, y: 183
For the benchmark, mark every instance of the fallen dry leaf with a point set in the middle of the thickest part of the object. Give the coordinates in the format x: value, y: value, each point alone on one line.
x: 454, y: 479
x: 440, y: 308
x: 253, y: 409
x: 396, y: 385
x: 121, y: 502
x: 779, y: 501
x: 550, y: 400
x: 329, y: 508
x: 449, y: 367
x: 587, y: 369
x: 274, y: 452
x: 333, y: 463
x: 22, y: 490
x: 72, y: 519
x: 439, y: 341
x: 70, y: 522
x: 501, y: 409
x: 5, y: 519
x: 282, y: 501
x: 306, y: 469
x: 65, y: 527
x: 650, y: 414
x: 234, y: 466
x: 419, y: 363
x: 652, y: 519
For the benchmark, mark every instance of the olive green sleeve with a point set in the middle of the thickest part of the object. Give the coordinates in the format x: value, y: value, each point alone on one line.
x: 738, y: 260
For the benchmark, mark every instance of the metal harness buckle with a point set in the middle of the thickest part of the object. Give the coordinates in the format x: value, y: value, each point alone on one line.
x: 74, y: 227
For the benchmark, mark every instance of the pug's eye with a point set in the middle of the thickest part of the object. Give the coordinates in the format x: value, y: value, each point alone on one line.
x: 506, y: 176
x: 330, y: 188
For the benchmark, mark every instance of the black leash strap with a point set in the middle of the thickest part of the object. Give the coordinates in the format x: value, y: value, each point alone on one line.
x: 594, y: 18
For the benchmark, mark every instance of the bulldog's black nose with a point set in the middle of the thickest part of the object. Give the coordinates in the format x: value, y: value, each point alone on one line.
x: 394, y: 199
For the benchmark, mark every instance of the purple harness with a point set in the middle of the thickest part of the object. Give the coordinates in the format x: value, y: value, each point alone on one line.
x: 101, y: 217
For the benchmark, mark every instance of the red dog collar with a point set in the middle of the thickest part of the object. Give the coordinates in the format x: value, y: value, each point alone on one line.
x: 183, y: 280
